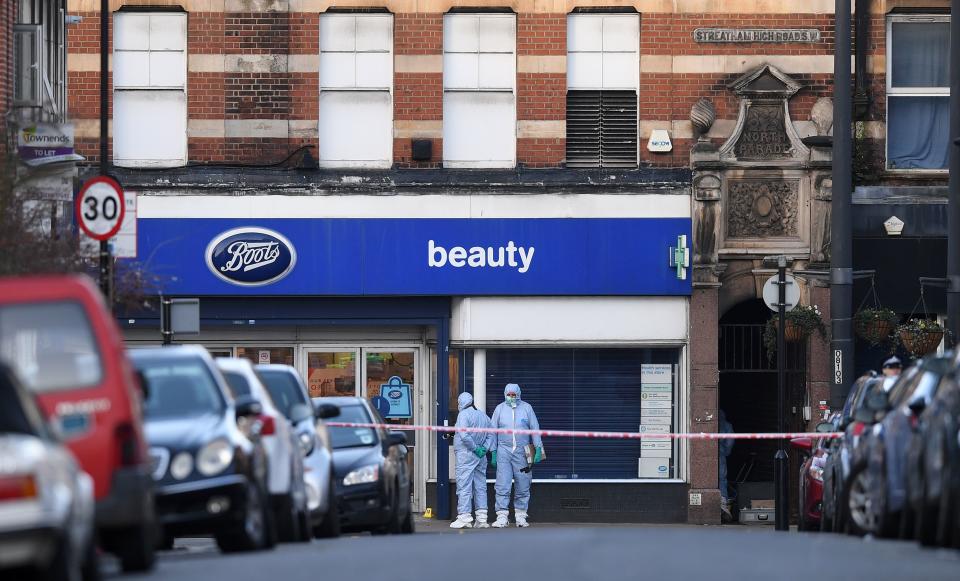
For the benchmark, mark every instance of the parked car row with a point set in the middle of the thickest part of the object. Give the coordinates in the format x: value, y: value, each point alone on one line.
x: 105, y: 450
x: 896, y: 471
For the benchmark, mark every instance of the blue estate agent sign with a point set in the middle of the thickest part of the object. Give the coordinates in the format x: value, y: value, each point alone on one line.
x: 397, y: 395
x: 413, y: 256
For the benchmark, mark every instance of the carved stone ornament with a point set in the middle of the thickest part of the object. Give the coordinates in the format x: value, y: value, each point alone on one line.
x: 762, y: 208
x: 822, y: 115
x: 764, y: 130
x: 706, y: 188
x: 702, y: 116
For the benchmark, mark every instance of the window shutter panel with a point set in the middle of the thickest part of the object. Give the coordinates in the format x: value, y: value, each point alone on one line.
x: 583, y: 128
x: 601, y: 129
x: 618, y: 129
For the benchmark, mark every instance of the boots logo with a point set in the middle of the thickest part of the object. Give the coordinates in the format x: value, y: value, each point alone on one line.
x: 250, y: 256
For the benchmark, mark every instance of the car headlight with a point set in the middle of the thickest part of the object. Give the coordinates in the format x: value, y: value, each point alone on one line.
x: 306, y: 443
x: 181, y: 466
x: 364, y: 475
x: 215, y: 457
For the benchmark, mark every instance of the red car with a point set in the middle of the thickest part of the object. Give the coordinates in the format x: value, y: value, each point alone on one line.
x: 811, y: 478
x: 61, y: 340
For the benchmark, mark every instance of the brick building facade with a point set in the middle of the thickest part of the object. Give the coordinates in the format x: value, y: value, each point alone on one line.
x: 253, y: 90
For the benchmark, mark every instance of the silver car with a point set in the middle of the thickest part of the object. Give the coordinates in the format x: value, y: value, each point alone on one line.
x: 290, y: 395
x: 46, y: 500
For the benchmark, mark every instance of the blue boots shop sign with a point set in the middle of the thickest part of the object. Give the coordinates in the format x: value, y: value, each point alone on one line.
x: 251, y: 256
x: 417, y: 256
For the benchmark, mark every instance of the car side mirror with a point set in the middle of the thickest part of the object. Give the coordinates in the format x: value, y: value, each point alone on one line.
x: 325, y: 411
x: 805, y: 444
x: 918, y: 405
x: 396, y: 439
x: 300, y: 412
x: 825, y: 427
x: 247, y: 406
x: 144, y: 385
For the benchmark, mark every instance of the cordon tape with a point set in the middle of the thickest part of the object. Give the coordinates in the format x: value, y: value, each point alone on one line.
x: 594, y: 435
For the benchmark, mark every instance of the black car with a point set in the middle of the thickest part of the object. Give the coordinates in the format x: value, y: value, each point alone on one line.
x: 879, y: 472
x: 209, y: 466
x: 370, y: 470
x: 932, y: 512
x: 836, y: 471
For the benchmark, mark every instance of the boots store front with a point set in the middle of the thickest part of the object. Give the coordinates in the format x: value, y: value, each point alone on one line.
x: 438, y: 295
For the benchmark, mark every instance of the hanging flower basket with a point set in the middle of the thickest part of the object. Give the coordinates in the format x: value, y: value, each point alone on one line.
x: 801, y: 322
x: 875, y: 326
x: 920, y: 337
x: 793, y: 333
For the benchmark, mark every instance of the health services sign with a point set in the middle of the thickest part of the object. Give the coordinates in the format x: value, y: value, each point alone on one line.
x: 414, y: 256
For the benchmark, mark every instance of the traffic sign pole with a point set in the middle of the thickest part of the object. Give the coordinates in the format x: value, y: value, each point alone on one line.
x: 100, y: 210
x: 780, y: 460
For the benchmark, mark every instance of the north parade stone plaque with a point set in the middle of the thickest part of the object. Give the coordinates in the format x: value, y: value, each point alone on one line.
x: 764, y: 134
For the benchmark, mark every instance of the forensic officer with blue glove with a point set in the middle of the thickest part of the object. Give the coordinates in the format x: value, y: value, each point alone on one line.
x: 471, y: 449
x: 509, y: 457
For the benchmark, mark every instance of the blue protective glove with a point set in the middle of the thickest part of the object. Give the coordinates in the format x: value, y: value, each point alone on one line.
x: 480, y: 451
x: 538, y: 456
x: 493, y: 458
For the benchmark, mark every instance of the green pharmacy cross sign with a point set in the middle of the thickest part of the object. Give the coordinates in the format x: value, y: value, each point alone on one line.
x: 680, y: 257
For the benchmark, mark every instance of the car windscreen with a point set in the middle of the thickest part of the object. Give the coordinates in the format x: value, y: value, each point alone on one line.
x: 238, y: 383
x: 284, y: 390
x: 50, y: 345
x: 178, y: 388
x: 352, y: 437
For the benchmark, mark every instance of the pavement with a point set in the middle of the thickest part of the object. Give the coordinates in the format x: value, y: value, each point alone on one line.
x: 565, y: 552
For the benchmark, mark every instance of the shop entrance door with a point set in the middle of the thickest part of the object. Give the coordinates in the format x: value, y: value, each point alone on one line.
x: 387, y: 376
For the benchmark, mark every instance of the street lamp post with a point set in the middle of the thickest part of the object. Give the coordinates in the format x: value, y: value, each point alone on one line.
x: 106, y: 261
x: 841, y: 250
x: 953, y: 207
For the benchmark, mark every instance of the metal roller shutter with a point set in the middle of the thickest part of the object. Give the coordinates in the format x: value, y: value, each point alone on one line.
x: 578, y: 389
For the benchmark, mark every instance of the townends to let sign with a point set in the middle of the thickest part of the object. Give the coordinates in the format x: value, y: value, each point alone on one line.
x: 745, y: 35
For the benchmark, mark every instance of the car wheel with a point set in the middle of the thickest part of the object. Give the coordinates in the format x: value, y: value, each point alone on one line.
x: 945, y: 515
x: 166, y: 543
x: 407, y: 527
x: 330, y: 527
x: 861, y: 502
x: 63, y: 566
x: 91, y: 562
x: 395, y: 525
x: 136, y: 548
x: 826, y: 511
x: 287, y: 518
x: 253, y: 534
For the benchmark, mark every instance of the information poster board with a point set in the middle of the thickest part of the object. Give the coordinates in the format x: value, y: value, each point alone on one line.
x: 656, y: 417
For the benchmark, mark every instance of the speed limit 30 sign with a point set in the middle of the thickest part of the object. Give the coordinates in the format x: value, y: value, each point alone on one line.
x: 100, y: 207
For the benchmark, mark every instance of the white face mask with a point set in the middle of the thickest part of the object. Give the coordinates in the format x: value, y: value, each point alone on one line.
x: 512, y: 401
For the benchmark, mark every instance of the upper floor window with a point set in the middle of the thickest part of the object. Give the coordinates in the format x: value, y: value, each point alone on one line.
x: 479, y: 83
x: 918, y: 92
x: 602, y: 86
x: 27, y: 54
x: 356, y: 86
x: 150, y: 89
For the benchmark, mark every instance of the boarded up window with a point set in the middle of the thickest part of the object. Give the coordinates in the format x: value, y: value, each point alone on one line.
x: 356, y: 90
x: 150, y: 89
x: 479, y: 81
